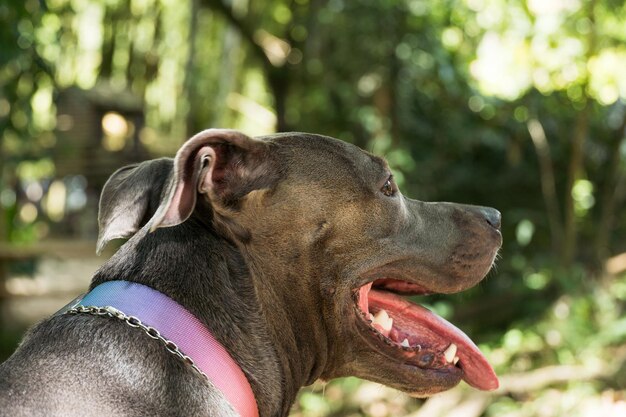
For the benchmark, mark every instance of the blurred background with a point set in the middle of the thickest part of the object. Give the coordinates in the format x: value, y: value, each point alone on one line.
x: 519, y: 105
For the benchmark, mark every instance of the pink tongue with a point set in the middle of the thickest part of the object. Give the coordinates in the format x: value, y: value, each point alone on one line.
x: 477, y: 371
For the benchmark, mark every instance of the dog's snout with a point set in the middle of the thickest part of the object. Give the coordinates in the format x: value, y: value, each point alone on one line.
x: 493, y: 217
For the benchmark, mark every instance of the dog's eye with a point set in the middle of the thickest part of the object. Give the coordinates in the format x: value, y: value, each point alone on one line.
x: 389, y: 188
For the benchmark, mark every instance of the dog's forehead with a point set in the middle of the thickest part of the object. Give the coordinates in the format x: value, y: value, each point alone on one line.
x: 327, y: 155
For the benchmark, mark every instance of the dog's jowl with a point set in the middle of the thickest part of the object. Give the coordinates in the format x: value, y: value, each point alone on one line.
x: 252, y: 268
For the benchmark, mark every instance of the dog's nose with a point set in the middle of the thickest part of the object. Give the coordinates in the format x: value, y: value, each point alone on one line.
x: 493, y: 217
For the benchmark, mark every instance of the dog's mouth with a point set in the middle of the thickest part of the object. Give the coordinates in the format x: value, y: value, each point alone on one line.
x: 415, y: 336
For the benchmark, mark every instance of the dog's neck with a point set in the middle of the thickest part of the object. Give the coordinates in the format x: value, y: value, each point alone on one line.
x: 176, y: 325
x: 290, y: 300
x: 297, y: 321
x: 271, y: 337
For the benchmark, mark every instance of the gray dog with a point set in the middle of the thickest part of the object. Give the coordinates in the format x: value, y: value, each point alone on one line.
x: 285, y: 255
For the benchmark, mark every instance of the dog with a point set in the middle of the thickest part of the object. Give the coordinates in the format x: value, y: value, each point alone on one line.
x: 293, y: 252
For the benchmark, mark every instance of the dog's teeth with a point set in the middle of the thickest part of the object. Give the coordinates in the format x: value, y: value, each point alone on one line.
x: 381, y: 316
x: 383, y: 320
x: 456, y: 360
x: 389, y: 325
x: 371, y: 317
x: 450, y: 353
x: 405, y: 343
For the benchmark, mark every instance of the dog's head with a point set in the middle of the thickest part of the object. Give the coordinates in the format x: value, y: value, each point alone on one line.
x: 333, y: 247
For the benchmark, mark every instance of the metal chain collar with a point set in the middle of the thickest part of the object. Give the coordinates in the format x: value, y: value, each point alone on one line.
x: 133, y: 321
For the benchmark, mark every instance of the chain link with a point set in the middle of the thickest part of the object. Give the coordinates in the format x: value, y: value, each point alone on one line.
x: 133, y: 321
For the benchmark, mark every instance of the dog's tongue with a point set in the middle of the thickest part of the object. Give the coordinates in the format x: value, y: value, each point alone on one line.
x: 421, y: 322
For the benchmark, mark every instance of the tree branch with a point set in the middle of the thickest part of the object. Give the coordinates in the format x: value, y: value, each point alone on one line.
x: 242, y: 27
x: 461, y: 402
x: 276, y: 74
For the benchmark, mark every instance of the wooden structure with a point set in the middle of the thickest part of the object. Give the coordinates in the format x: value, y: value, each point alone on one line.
x: 79, y: 149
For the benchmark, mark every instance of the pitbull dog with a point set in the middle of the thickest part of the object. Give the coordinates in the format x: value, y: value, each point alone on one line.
x: 294, y: 250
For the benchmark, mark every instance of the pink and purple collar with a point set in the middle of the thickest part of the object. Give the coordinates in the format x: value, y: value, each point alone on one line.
x: 178, y: 325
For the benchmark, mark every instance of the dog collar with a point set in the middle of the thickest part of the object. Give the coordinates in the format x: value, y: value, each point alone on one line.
x: 178, y: 325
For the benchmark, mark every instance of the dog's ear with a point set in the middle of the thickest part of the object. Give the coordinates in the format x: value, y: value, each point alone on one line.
x: 224, y: 165
x: 130, y: 198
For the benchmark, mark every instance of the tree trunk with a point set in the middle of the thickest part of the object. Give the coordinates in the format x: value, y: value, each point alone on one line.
x: 278, y: 82
x: 548, y: 184
x: 581, y: 130
x: 612, y: 193
x: 576, y: 164
x: 191, y: 57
